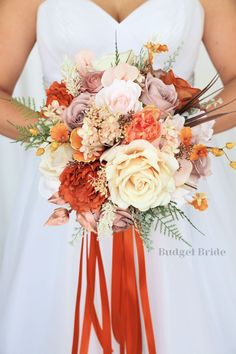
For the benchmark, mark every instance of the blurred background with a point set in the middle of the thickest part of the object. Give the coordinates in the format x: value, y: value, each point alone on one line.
x: 13, y: 157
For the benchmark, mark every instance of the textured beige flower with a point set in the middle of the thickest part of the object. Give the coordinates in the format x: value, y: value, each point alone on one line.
x: 140, y: 175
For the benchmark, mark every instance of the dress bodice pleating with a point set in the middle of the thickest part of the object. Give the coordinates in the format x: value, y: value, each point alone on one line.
x: 65, y: 27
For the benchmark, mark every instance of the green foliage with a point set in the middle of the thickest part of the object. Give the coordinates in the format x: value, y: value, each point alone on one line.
x: 164, y: 218
x: 26, y: 106
x: 117, y: 54
x: 169, y: 63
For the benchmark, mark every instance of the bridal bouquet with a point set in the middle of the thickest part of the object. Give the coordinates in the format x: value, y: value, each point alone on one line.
x: 123, y: 144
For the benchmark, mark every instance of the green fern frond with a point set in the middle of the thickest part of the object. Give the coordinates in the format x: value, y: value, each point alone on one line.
x: 26, y: 106
x: 179, y: 213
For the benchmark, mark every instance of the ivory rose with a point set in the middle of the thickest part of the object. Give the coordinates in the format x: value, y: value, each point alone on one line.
x: 51, y: 166
x: 120, y: 97
x: 140, y: 175
x: 122, y: 71
x: 107, y: 61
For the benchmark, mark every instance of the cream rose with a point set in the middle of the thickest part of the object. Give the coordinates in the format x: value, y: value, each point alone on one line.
x: 108, y: 61
x: 140, y: 175
x: 51, y: 166
x: 120, y: 97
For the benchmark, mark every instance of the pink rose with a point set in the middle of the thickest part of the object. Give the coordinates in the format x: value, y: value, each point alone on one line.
x: 74, y: 114
x: 84, y: 61
x: 120, y: 97
x: 91, y: 81
x: 159, y: 94
x: 122, y: 71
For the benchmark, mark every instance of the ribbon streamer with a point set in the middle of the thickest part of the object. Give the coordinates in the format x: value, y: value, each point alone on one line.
x: 124, y: 319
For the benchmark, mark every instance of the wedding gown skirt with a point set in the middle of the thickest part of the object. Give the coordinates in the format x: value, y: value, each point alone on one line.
x: 192, y: 298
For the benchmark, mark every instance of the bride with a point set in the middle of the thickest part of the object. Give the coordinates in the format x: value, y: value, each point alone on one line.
x: 192, y: 297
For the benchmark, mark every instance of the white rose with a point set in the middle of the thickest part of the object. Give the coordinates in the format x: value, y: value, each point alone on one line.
x: 120, y: 97
x: 51, y: 166
x: 108, y: 61
x: 140, y: 175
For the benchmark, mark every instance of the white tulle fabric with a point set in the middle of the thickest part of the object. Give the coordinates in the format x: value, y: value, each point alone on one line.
x: 192, y: 298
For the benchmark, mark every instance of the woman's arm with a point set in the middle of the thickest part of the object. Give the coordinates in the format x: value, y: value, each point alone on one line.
x: 220, y: 41
x: 17, y: 38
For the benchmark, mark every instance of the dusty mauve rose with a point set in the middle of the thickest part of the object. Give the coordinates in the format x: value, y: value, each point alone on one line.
x: 201, y: 168
x: 74, y: 114
x: 159, y: 94
x: 91, y: 81
x: 58, y: 92
x: 76, y: 187
x: 184, y: 90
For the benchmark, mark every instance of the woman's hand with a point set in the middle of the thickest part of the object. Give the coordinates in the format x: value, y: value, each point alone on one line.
x: 220, y: 41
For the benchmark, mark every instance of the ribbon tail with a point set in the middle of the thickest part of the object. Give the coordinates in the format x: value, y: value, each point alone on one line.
x: 133, y: 324
x: 75, y: 344
x: 117, y: 290
x: 144, y: 295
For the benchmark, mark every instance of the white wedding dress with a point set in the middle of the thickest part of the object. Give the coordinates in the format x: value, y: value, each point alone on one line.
x: 192, y: 298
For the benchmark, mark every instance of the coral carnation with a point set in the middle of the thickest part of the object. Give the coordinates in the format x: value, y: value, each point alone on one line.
x: 76, y: 187
x: 144, y: 125
x: 58, y: 92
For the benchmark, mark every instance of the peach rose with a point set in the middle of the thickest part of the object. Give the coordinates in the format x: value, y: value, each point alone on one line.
x: 140, y: 175
x: 84, y: 61
x: 120, y: 97
x: 122, y: 71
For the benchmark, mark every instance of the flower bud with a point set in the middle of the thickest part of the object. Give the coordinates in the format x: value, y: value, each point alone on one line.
x: 40, y: 152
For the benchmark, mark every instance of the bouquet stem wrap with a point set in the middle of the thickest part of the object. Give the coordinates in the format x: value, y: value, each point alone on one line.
x: 123, y: 316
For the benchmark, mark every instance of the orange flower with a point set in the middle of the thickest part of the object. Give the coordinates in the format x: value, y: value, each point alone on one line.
x: 76, y: 187
x: 184, y: 90
x: 199, y: 151
x: 76, y: 143
x: 59, y: 133
x: 199, y: 201
x: 58, y: 92
x: 186, y: 136
x: 144, y: 125
x: 155, y: 48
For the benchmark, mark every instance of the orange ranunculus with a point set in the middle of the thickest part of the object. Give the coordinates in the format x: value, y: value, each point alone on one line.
x: 199, y: 151
x: 199, y: 201
x: 76, y: 143
x: 76, y: 187
x: 59, y: 133
x: 184, y: 90
x: 58, y: 92
x: 144, y: 125
x: 186, y: 136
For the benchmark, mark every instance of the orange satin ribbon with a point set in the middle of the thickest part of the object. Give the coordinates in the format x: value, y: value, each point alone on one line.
x: 125, y: 307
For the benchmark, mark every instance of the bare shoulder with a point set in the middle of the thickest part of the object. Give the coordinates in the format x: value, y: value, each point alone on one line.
x: 18, y: 35
x: 220, y: 35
